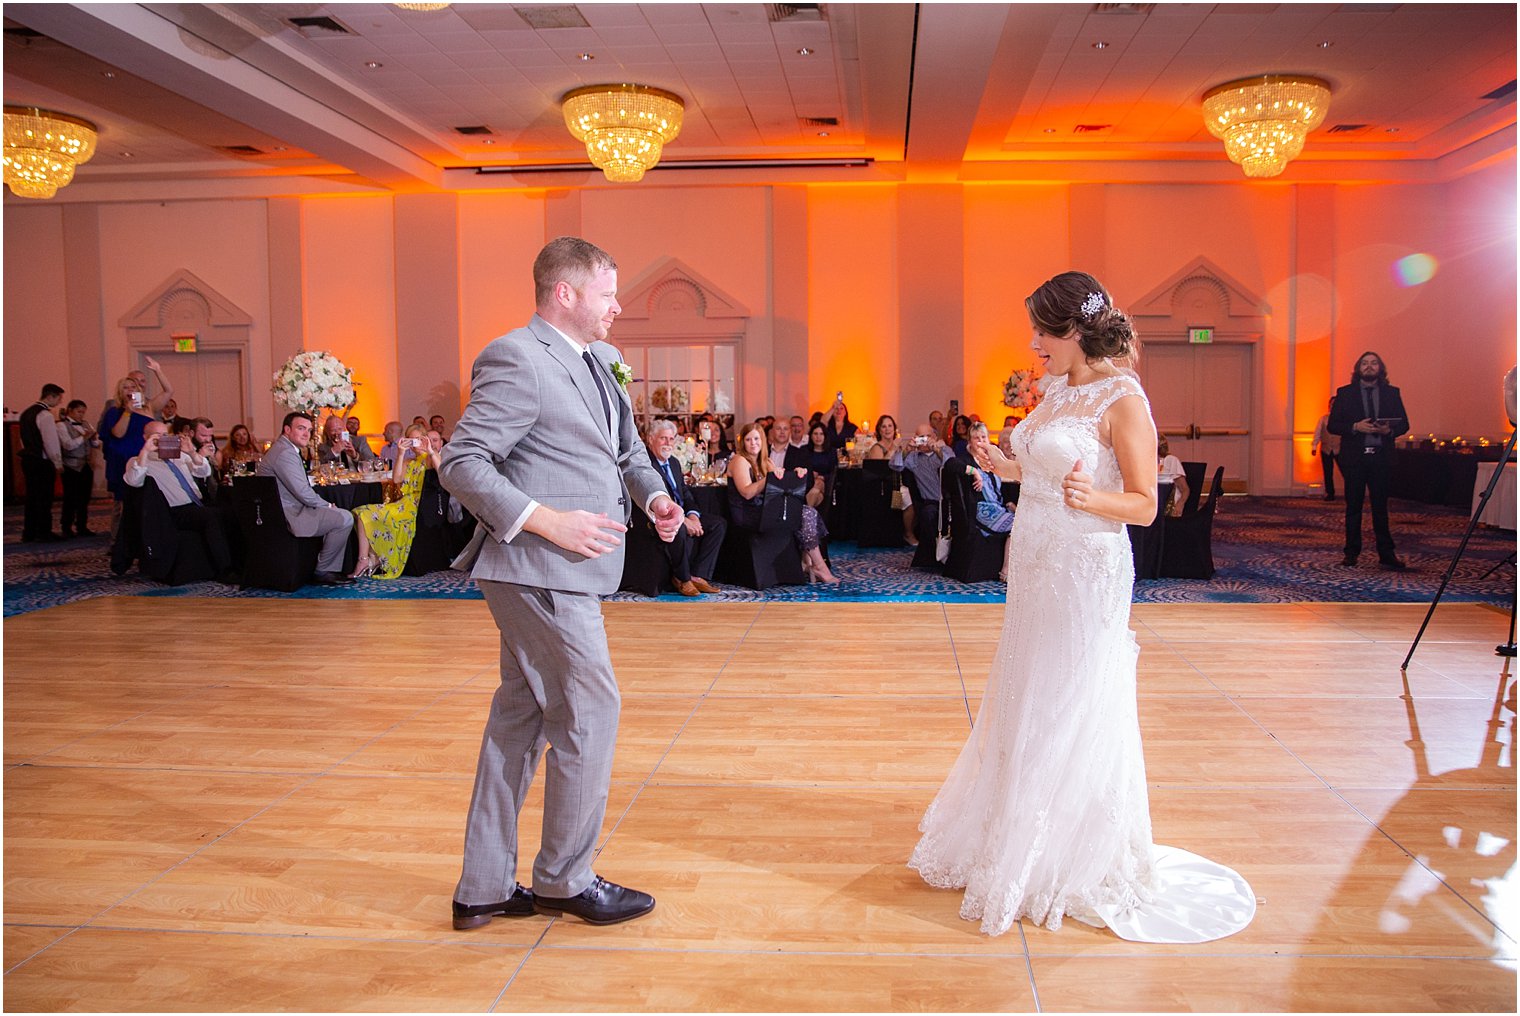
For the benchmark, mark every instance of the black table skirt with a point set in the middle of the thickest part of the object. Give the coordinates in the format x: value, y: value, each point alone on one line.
x: 1434, y: 477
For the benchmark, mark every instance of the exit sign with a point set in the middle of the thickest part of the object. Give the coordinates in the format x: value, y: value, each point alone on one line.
x: 184, y: 342
x: 1200, y: 335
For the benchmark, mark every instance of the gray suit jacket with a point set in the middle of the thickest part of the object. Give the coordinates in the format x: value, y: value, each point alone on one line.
x: 303, y: 506
x: 534, y: 431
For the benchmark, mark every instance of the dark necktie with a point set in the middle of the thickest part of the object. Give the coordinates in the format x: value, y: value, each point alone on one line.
x: 195, y: 496
x: 601, y: 388
x: 1370, y: 408
x: 670, y: 481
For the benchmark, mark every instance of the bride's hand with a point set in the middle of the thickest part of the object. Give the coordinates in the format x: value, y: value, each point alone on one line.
x: 1077, y: 487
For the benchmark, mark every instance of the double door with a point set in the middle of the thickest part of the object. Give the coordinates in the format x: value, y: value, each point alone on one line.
x: 1202, y: 397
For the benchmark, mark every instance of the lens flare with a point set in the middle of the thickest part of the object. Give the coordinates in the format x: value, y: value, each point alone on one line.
x: 1414, y: 270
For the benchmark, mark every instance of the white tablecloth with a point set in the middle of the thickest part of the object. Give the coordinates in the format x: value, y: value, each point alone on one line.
x: 1501, y: 507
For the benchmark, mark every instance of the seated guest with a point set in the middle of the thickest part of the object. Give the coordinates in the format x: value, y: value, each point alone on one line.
x: 239, y: 450
x: 76, y: 440
x: 937, y: 424
x: 358, y: 440
x: 781, y: 450
x: 436, y: 422
x: 960, y: 431
x: 994, y: 513
x: 192, y: 435
x: 799, y: 432
x: 694, y: 552
x: 1169, y: 469
x: 335, y: 447
x: 419, y: 421
x: 175, y: 477
x: 922, y: 457
x: 710, y: 433
x: 305, y: 512
x: 392, y: 435
x: 886, y: 438
x: 820, y: 461
x: 386, y: 531
x: 1006, y: 434
x: 747, y: 471
x: 839, y: 426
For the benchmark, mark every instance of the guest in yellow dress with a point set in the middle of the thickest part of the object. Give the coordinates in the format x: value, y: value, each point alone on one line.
x: 386, y: 530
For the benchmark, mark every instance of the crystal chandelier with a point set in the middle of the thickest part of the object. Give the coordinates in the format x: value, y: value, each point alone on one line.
x: 42, y: 148
x: 625, y: 127
x: 1263, y: 120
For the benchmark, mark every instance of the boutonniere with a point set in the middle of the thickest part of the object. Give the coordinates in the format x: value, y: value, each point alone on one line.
x: 622, y: 372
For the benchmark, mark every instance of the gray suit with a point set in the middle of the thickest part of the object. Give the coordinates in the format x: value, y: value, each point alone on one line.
x: 305, y: 512
x: 535, y: 430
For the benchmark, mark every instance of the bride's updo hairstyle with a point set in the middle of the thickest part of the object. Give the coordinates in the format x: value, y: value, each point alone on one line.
x: 1077, y: 301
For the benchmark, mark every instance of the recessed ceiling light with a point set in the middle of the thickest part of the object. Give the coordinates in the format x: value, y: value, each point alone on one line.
x: 127, y: 155
x: 108, y: 74
x: 1100, y: 45
x: 488, y: 141
x: 1050, y: 130
x: 823, y: 134
x: 1326, y: 44
x: 1390, y: 130
x: 804, y: 51
x: 585, y: 57
x: 279, y: 148
x: 373, y: 65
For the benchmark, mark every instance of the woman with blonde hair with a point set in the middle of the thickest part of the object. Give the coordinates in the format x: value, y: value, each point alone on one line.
x: 386, y: 531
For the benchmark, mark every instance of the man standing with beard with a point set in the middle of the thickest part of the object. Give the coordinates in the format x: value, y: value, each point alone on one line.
x: 1368, y: 415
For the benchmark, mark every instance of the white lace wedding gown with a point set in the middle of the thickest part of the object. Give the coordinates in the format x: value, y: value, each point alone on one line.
x: 1045, y: 813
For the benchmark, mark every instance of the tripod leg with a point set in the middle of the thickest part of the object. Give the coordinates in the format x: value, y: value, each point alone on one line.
x: 1472, y: 523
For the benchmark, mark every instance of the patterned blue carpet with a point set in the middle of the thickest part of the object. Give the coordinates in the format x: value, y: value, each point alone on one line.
x: 1266, y: 550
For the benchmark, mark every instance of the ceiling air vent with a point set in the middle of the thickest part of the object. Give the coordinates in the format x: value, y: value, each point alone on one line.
x: 795, y: 12
x: 552, y: 16
x: 242, y: 150
x: 319, y: 27
x: 819, y: 121
x: 1092, y: 128
x: 1502, y: 92
x: 1347, y: 128
x: 477, y: 129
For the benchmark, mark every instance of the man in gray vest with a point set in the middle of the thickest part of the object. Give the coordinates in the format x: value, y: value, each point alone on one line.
x: 547, y: 458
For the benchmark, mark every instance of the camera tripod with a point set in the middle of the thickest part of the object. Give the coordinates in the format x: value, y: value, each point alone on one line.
x: 1508, y: 648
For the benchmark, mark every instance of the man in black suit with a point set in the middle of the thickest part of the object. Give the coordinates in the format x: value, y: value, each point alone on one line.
x: 694, y: 552
x: 1368, y: 415
x: 41, y: 460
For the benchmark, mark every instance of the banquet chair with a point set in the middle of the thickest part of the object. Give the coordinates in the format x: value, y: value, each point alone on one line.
x: 646, y: 569
x: 766, y: 556
x: 1194, y: 472
x: 975, y: 554
x: 1187, y: 550
x: 431, y: 543
x: 878, y: 523
x: 277, y: 559
x: 166, y: 552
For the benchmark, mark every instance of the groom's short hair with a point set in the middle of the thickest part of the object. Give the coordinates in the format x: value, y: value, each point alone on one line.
x: 567, y: 259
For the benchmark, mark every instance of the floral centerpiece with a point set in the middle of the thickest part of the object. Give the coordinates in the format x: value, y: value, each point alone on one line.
x: 1022, y: 390
x: 671, y: 399
x: 312, y: 381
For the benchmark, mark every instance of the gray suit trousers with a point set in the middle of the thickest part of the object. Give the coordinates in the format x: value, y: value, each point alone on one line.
x: 557, y: 690
x: 334, y: 528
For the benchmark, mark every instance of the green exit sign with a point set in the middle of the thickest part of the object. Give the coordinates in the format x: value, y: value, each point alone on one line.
x: 1200, y: 335
x: 184, y: 344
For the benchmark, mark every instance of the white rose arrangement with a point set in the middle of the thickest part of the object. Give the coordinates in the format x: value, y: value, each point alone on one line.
x: 314, y: 380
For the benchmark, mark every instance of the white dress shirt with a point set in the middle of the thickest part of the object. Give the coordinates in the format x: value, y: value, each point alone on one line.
x: 163, y: 474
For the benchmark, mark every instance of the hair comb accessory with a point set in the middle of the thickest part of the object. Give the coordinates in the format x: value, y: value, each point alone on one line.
x: 1091, y: 306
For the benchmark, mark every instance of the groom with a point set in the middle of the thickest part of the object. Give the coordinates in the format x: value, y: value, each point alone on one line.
x: 546, y: 457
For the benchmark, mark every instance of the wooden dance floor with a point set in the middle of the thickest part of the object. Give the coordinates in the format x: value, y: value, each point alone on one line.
x: 259, y: 805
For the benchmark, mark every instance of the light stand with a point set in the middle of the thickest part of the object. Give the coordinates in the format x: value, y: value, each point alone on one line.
x: 1508, y: 649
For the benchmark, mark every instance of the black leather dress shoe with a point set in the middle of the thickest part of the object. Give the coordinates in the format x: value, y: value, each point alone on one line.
x: 1392, y: 564
x: 520, y: 905
x: 603, y: 902
x: 327, y: 578
x: 1349, y: 561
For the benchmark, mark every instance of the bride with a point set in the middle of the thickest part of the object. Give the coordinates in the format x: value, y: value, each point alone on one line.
x: 1045, y: 813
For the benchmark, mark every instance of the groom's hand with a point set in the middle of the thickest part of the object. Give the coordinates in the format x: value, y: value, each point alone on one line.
x: 667, y: 517
x: 579, y: 531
